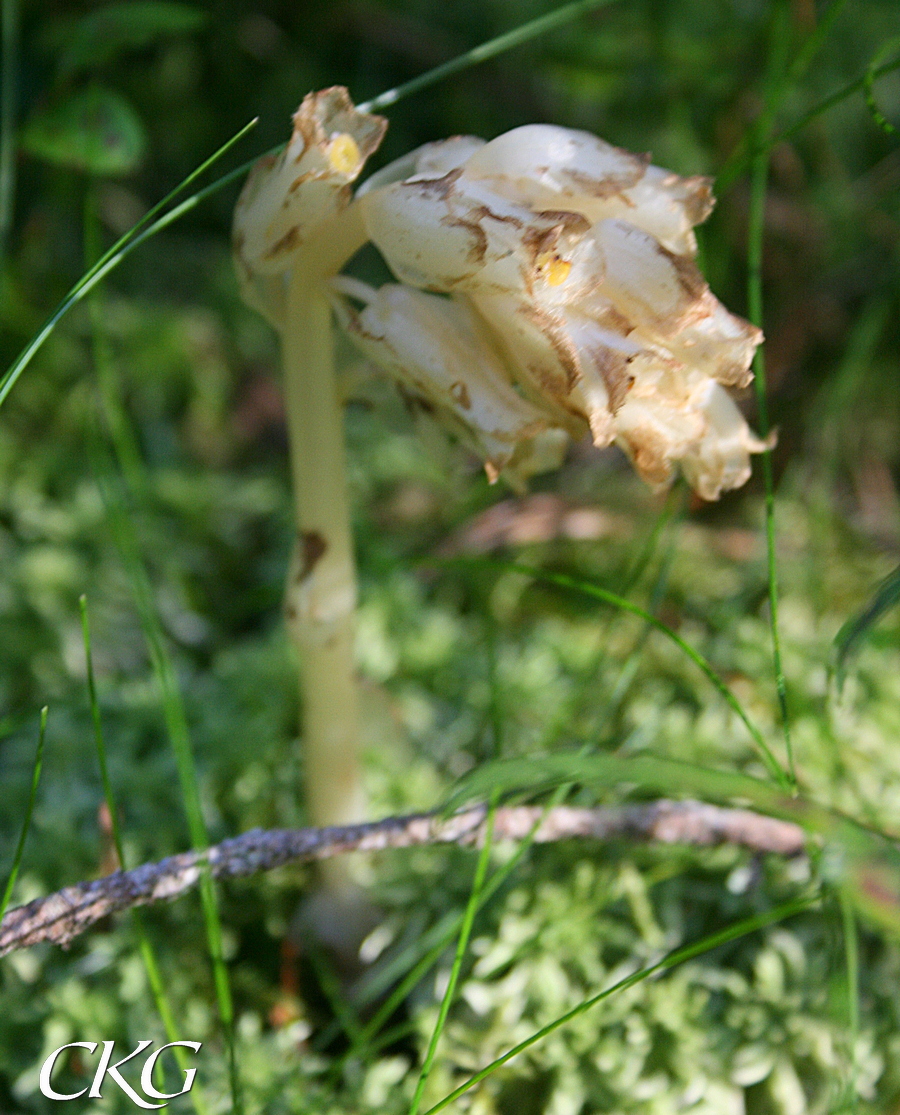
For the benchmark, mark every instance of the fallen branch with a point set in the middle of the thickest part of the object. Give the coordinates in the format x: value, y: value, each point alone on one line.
x: 62, y: 916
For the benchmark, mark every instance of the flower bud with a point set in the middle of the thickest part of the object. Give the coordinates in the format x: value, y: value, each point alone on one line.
x: 287, y: 197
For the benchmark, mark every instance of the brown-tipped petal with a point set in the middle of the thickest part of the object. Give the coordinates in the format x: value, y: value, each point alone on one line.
x: 707, y: 435
x: 655, y: 435
x: 452, y: 233
x: 651, y: 285
x: 440, y: 352
x: 431, y: 160
x: 547, y: 167
x: 718, y: 342
x: 286, y: 197
x: 720, y: 459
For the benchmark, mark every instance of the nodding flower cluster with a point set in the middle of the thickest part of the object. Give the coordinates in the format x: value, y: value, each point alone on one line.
x: 547, y: 288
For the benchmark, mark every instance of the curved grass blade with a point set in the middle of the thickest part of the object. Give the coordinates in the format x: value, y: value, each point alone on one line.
x: 179, y: 735
x: 755, y: 142
x: 869, y: 88
x: 462, y: 945
x: 115, y: 503
x: 679, y: 956
x: 29, y: 810
x: 145, y: 229
x: 776, y: 84
x: 154, y: 976
x: 653, y: 773
x: 565, y: 581
x: 493, y: 47
x: 114, y: 256
x: 740, y: 161
x: 863, y: 862
x: 851, y: 960
x: 848, y: 639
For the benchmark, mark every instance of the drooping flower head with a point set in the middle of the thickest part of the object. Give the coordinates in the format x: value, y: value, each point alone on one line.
x: 547, y: 288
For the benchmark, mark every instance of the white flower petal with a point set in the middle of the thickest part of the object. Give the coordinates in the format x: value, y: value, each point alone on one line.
x: 720, y: 460
x: 438, y: 349
x: 431, y: 160
x: 289, y: 195
x: 548, y: 167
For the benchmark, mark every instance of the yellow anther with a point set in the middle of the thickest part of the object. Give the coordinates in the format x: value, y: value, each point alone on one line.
x: 343, y: 154
x: 554, y: 269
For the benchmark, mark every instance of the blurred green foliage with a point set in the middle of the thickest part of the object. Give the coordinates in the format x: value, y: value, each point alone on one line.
x: 114, y: 105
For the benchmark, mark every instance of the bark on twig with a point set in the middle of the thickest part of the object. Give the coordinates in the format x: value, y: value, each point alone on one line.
x: 62, y: 916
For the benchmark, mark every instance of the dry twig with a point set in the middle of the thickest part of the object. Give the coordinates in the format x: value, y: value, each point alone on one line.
x: 62, y: 916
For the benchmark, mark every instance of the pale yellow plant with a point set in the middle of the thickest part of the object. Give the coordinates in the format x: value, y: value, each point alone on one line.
x: 547, y: 291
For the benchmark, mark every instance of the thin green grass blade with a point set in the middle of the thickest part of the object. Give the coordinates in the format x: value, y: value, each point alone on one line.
x: 26, y: 821
x: 776, y: 82
x: 565, y: 581
x: 848, y: 639
x: 673, y: 510
x: 435, y: 942
x: 116, y: 503
x: 151, y: 223
x: 179, y: 735
x: 462, y: 946
x: 862, y: 861
x: 890, y: 47
x: 148, y: 955
x: 344, y: 1012
x: 851, y: 963
x: 740, y: 161
x: 654, y: 774
x: 493, y: 47
x: 123, y: 247
x: 9, y: 84
x: 630, y: 666
x: 754, y: 141
x: 673, y: 960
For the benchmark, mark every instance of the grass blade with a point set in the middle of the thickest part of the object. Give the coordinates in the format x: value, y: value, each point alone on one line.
x: 462, y: 945
x: 851, y: 962
x: 125, y: 536
x: 775, y: 87
x: 490, y: 49
x: 114, y: 256
x: 847, y: 640
x: 179, y: 736
x: 29, y: 810
x: 589, y: 589
x: 148, y: 955
x: 679, y: 956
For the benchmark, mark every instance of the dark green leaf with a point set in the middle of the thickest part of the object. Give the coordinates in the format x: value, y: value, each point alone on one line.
x: 94, y: 129
x: 106, y: 32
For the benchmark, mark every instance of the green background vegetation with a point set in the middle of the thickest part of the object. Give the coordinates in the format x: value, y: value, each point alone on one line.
x: 156, y: 404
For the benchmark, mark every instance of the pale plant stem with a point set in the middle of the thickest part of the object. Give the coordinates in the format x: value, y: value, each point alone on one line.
x: 321, y: 593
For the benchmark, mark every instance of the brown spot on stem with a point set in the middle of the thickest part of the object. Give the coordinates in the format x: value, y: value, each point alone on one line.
x: 312, y: 549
